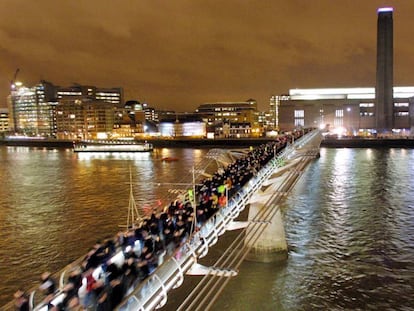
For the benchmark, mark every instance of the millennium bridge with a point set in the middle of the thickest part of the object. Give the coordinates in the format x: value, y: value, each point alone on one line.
x: 260, y: 238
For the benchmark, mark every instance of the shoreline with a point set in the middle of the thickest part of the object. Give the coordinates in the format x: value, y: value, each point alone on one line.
x: 356, y: 142
x: 215, y: 143
x: 157, y: 143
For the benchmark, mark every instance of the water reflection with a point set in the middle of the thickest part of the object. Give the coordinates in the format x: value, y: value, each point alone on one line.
x: 135, y: 156
x: 350, y: 230
x: 56, y: 203
x: 349, y: 224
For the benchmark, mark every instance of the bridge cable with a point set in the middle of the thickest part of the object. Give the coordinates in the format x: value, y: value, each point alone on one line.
x: 238, y: 249
x: 259, y: 231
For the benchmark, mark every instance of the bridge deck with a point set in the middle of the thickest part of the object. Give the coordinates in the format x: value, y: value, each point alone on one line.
x: 152, y: 293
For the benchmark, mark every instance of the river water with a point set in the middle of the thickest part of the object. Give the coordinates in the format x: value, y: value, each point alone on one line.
x: 349, y: 224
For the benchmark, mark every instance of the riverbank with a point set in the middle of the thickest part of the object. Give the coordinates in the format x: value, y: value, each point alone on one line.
x: 43, y: 143
x: 157, y: 143
x: 353, y: 142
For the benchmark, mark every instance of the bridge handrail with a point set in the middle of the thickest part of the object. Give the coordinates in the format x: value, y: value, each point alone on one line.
x: 150, y: 294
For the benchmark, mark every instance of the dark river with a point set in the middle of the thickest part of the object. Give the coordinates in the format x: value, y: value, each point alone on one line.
x: 349, y: 224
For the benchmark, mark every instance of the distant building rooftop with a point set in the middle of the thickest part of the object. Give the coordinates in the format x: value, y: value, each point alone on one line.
x: 347, y: 93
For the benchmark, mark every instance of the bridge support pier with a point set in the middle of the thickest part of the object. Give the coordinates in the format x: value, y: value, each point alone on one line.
x: 271, y: 246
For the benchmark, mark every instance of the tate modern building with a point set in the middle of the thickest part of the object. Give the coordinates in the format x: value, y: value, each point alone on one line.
x: 383, y: 110
x: 350, y: 111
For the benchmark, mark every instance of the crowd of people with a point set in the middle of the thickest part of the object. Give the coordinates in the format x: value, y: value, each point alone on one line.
x: 101, y: 283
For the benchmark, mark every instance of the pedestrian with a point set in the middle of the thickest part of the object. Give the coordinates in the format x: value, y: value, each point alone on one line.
x: 21, y: 301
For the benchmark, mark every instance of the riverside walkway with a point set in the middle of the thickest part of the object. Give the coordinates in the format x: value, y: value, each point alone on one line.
x: 276, y: 178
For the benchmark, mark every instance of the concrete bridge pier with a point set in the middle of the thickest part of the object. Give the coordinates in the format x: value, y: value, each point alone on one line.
x: 272, y: 245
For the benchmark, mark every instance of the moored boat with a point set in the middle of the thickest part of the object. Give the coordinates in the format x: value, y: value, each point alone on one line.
x: 169, y: 159
x: 111, y: 146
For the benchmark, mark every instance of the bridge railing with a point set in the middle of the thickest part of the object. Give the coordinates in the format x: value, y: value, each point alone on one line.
x: 152, y: 292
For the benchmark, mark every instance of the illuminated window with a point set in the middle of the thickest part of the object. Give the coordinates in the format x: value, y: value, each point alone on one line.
x: 299, y: 113
x: 339, y: 118
x: 366, y: 114
x: 299, y: 118
x: 401, y: 104
x: 366, y: 109
x: 339, y: 113
x: 299, y: 122
x: 338, y: 122
x: 366, y: 105
x: 402, y: 114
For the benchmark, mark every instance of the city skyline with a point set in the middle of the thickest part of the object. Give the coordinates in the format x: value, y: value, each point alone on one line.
x: 178, y: 55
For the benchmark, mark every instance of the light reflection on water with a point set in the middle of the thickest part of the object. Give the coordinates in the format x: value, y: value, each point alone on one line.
x: 54, y: 204
x: 349, y: 224
x: 350, y: 230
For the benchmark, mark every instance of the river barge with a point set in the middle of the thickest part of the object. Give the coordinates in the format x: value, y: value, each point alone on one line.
x: 111, y: 146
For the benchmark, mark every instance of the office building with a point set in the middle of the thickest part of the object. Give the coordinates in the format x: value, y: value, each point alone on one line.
x: 31, y: 109
x: 108, y: 95
x: 84, y: 119
x: 231, y: 119
x: 4, y: 120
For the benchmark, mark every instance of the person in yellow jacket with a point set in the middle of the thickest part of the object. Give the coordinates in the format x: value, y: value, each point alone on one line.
x: 214, y: 200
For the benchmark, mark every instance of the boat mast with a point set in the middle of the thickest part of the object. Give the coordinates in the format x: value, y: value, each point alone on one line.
x: 134, y: 216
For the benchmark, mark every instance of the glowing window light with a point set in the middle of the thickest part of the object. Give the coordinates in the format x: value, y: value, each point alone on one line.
x: 366, y: 105
x: 194, y: 129
x: 402, y: 114
x: 299, y: 113
x: 401, y: 104
x: 339, y: 113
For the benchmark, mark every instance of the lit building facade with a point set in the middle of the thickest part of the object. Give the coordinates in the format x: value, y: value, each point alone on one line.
x: 173, y: 124
x: 273, y: 116
x: 4, y: 120
x: 114, y: 96
x: 221, y: 116
x: 350, y: 110
x: 130, y: 120
x: 181, y: 128
x: 382, y: 110
x: 151, y: 114
x: 135, y: 111
x: 89, y: 112
x: 31, y: 109
x: 80, y: 119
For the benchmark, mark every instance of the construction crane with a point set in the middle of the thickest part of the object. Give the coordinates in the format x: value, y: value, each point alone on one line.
x: 12, y: 85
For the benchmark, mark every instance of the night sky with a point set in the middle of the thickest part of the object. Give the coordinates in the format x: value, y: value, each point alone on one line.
x: 177, y: 54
